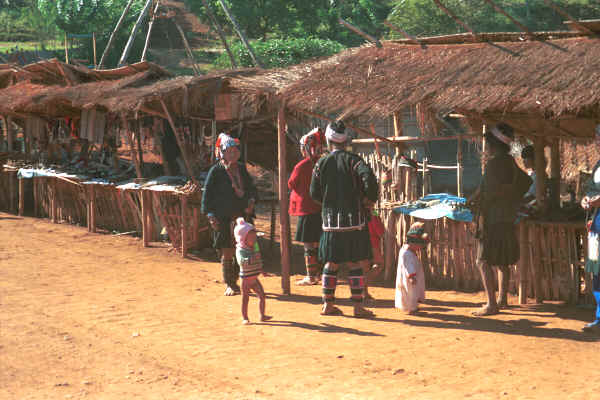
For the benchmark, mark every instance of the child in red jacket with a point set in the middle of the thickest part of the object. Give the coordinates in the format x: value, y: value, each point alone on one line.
x: 308, y: 211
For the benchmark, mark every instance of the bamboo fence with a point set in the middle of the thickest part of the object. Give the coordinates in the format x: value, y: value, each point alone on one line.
x: 551, y: 266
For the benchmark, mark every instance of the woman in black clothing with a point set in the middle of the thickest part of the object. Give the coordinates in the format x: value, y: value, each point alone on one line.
x: 229, y: 192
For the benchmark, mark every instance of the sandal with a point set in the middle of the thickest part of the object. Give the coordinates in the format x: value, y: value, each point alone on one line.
x: 364, y: 313
x: 483, y: 311
x: 332, y: 311
x: 307, y: 281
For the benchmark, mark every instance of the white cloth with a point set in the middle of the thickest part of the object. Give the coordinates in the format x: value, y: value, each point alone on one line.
x: 334, y: 136
x: 408, y: 294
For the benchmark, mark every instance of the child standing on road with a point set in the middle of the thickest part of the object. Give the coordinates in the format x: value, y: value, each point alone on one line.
x: 410, y: 277
x: 250, y: 262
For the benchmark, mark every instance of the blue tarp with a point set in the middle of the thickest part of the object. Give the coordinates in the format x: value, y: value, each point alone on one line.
x: 434, y: 206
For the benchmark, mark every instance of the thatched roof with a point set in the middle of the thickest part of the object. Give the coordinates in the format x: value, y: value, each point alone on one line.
x: 552, y: 79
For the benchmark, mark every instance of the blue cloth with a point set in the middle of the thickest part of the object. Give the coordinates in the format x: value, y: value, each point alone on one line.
x: 596, y: 290
x: 440, y: 205
x: 596, y: 223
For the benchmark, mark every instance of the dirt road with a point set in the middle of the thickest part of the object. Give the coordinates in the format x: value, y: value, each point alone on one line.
x: 93, y: 316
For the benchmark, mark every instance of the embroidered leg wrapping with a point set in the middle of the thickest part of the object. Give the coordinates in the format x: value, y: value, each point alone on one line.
x: 228, y: 273
x: 312, y: 262
x: 329, y: 284
x: 357, y: 284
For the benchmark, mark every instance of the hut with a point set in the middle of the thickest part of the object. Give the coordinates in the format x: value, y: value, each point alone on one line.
x: 527, y: 80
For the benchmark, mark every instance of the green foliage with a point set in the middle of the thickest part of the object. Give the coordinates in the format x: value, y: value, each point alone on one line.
x: 424, y: 18
x: 267, y: 19
x: 280, y: 52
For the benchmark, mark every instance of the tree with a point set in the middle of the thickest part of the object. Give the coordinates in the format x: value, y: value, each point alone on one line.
x: 424, y: 18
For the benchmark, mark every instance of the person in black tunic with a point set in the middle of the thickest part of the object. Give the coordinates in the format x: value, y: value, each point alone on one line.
x: 499, y: 196
x: 229, y: 193
x: 344, y: 185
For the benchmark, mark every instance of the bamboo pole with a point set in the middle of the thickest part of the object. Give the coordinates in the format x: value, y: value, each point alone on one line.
x: 114, y: 33
x: 94, y: 45
x: 138, y: 23
x: 219, y: 30
x: 570, y: 18
x: 187, y: 48
x: 145, y: 211
x: 514, y: 21
x: 21, y: 196
x: 459, y: 166
x: 540, y: 172
x: 424, y: 176
x: 237, y: 28
x: 150, y: 26
x: 66, y: 49
x: 360, y: 32
x: 403, y: 33
x: 456, y: 19
x: 284, y: 218
x: 184, y: 235
x: 522, y: 265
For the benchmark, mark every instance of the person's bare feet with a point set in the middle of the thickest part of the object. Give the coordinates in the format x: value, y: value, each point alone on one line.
x: 246, y: 321
x: 330, y: 309
x: 361, y: 312
x: 486, y: 310
x: 266, y: 318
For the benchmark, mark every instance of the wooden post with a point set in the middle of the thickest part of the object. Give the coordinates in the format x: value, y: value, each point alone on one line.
x: 241, y: 35
x: 150, y: 25
x: 540, y: 172
x: 424, y: 176
x: 140, y: 151
x: 459, y: 166
x: 94, y: 44
x: 145, y: 210
x: 21, y: 196
x: 114, y: 33
x: 66, y: 49
x: 138, y: 23
x: 53, y: 205
x: 284, y: 217
x: 522, y: 265
x: 554, y: 201
x: 184, y: 239
x: 9, y: 134
x: 91, y: 190
x: 217, y: 26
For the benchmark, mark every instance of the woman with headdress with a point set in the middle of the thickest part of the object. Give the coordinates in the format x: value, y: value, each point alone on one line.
x: 591, y: 202
x: 229, y: 193
x: 344, y: 185
x: 499, y: 196
x: 309, y: 227
x: 410, y: 278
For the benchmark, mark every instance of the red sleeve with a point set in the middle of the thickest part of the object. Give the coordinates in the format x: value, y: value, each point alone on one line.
x: 377, y: 226
x: 293, y: 181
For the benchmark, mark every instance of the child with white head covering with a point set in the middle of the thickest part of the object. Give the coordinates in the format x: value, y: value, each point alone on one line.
x: 250, y: 262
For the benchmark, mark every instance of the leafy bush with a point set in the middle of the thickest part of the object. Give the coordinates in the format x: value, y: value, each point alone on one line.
x: 279, y: 52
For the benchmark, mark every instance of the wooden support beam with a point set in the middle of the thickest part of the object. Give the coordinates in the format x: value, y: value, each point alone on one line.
x: 150, y: 26
x: 523, y: 264
x: 403, y: 33
x: 574, y: 21
x: 180, y: 142
x: 459, y: 166
x: 283, y: 202
x: 540, y: 172
x: 114, y: 33
x: 237, y: 28
x: 184, y: 238
x: 21, y: 196
x: 360, y: 32
x: 66, y: 49
x: 94, y: 45
x: 219, y: 30
x: 145, y: 220
x: 456, y: 19
x: 138, y: 23
x: 554, y: 201
x: 514, y: 21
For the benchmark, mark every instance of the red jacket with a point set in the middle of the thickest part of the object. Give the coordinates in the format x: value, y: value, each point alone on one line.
x: 299, y: 184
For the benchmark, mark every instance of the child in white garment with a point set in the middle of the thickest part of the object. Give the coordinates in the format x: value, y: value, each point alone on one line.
x: 410, y: 278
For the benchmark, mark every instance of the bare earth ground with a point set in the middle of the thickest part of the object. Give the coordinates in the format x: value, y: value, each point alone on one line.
x: 96, y: 316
